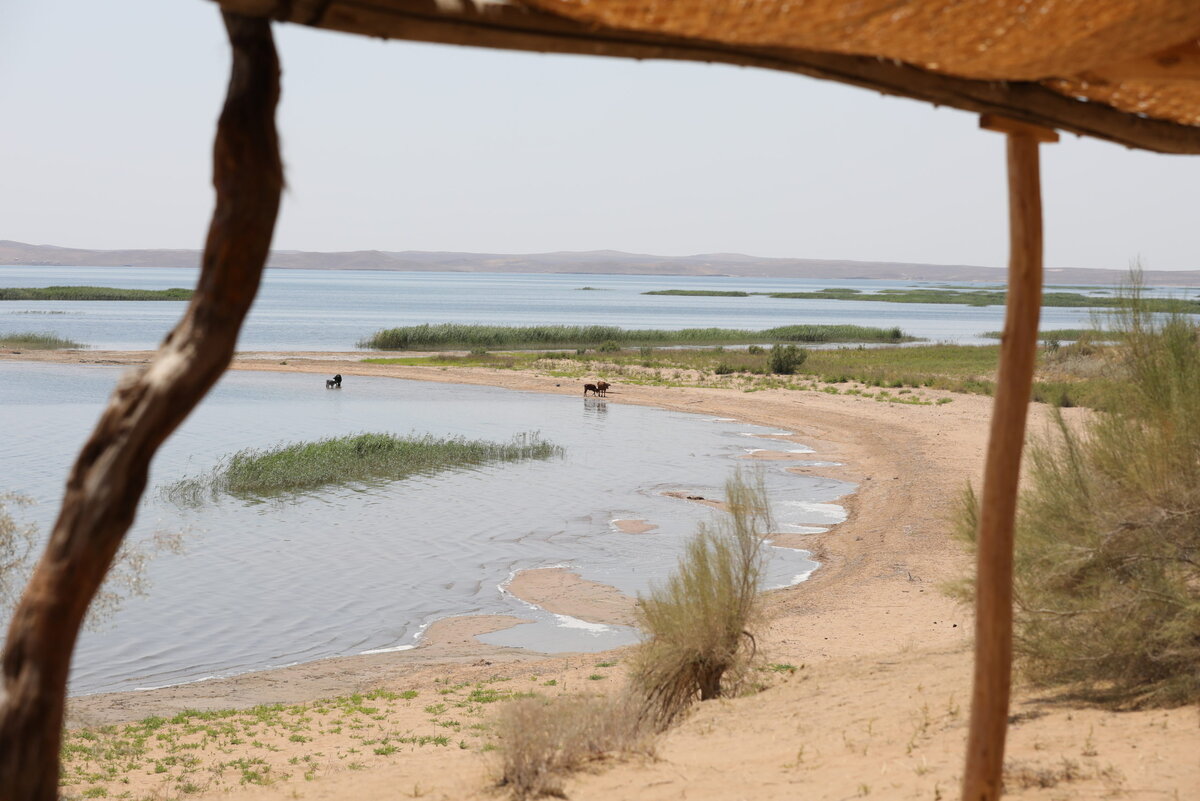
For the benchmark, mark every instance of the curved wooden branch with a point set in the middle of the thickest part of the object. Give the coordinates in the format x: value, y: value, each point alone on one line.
x: 109, y: 476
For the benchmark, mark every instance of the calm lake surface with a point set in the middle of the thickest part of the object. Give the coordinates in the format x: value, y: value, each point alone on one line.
x: 334, y: 309
x: 365, y: 568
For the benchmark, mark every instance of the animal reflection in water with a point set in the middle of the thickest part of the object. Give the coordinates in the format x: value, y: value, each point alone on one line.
x: 334, y: 383
x: 599, y: 389
x: 595, y: 407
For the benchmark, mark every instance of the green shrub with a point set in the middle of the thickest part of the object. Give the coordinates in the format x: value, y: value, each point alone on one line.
x: 1108, y: 532
x: 698, y: 623
x: 756, y: 350
x: 609, y: 346
x: 786, y: 358
x: 724, y: 368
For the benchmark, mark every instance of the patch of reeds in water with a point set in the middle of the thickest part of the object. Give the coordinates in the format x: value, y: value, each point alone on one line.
x: 91, y: 293
x: 33, y: 340
x: 299, y: 467
x: 459, y: 336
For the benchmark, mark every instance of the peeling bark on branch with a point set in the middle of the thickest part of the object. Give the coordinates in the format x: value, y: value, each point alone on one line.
x: 108, y: 478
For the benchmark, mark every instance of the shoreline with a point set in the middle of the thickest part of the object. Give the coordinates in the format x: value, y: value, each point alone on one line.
x: 865, y: 668
x: 839, y: 550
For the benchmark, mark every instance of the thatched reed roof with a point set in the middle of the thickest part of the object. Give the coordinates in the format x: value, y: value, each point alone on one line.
x: 1123, y: 70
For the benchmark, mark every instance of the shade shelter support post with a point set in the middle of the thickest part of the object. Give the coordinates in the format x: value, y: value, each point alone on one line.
x: 994, y: 572
x: 109, y: 476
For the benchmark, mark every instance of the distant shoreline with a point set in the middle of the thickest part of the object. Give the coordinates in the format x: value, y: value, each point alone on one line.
x: 601, y: 262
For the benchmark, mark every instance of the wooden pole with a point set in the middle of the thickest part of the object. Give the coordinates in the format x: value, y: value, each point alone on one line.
x: 1018, y: 352
x: 109, y: 476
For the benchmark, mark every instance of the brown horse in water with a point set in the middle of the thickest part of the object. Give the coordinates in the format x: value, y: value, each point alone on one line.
x: 602, y: 387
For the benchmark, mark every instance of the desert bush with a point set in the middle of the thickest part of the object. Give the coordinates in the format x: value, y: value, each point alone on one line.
x: 784, y: 359
x: 1108, y: 531
x: 544, y: 739
x: 698, y: 624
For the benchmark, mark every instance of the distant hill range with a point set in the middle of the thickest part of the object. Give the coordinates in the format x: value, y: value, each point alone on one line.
x: 599, y: 262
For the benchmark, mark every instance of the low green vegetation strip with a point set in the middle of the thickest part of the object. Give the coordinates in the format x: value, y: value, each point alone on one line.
x: 299, y: 467
x: 34, y: 341
x: 448, y: 336
x: 91, y: 293
x: 703, y: 293
x: 1066, y: 335
x: 978, y: 297
x: 1069, y: 375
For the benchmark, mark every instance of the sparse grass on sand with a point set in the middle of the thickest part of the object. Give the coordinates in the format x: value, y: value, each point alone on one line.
x: 36, y: 341
x: 221, y: 750
x: 303, y: 466
x: 91, y: 293
x: 1108, y: 533
x: 450, y: 336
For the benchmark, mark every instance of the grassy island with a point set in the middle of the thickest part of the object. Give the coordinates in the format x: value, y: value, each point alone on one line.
x: 452, y: 336
x: 32, y: 340
x: 92, y: 293
x: 303, y: 466
x: 702, y: 293
x: 970, y: 297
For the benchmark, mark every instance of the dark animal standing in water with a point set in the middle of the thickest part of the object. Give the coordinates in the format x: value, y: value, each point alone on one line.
x: 602, y: 387
x: 591, y: 388
x: 334, y: 383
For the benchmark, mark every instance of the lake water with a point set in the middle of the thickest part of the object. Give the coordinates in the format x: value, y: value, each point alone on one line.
x: 334, y: 309
x: 364, y: 568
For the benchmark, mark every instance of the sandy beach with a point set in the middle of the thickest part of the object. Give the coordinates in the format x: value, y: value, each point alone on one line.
x: 870, y: 686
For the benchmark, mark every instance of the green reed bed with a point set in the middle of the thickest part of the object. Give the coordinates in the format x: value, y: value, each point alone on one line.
x: 448, y: 336
x: 32, y: 340
x: 974, y: 297
x: 304, y: 466
x: 1065, y: 335
x: 701, y: 293
x: 91, y: 293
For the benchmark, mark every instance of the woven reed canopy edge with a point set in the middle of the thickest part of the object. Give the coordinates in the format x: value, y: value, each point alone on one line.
x: 521, y: 27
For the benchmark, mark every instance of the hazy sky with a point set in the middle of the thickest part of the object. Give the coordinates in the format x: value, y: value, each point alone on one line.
x: 107, y: 112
